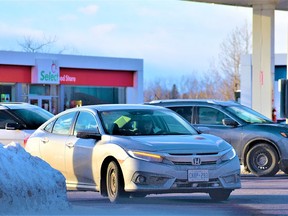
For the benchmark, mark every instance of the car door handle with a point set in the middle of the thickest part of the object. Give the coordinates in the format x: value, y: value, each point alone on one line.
x: 70, y: 145
x: 45, y: 140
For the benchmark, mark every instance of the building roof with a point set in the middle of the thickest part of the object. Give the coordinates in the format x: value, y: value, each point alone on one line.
x: 280, y: 4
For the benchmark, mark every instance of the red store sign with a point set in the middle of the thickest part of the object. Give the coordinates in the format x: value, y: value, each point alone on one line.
x: 71, y: 76
x: 96, y: 77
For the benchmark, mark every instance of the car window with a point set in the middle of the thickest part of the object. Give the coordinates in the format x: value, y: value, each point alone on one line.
x: 185, y: 112
x: 248, y: 115
x: 144, y: 122
x: 209, y: 115
x: 32, y: 117
x: 49, y: 127
x: 5, y: 118
x: 109, y: 119
x: 63, y: 124
x: 174, y: 127
x: 85, y: 121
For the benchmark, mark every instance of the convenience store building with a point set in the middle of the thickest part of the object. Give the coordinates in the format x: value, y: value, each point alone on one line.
x: 57, y: 82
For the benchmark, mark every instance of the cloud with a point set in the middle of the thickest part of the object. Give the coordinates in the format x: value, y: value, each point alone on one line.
x: 100, y: 30
x: 89, y: 10
x: 16, y: 31
x: 68, y: 17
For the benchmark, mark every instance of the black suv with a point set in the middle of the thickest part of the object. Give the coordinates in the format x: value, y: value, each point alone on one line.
x: 261, y: 144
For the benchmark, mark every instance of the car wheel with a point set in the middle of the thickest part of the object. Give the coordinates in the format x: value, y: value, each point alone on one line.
x: 220, y: 194
x: 262, y: 160
x: 114, y: 183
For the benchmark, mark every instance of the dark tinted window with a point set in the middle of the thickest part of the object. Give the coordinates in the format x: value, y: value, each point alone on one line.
x: 32, y: 117
x: 5, y: 118
x: 184, y: 111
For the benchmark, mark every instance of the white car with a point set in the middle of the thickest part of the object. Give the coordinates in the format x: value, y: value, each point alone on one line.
x: 19, y: 120
x: 133, y: 150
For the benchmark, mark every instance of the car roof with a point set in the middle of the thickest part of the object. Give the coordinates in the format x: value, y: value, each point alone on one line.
x: 15, y: 105
x: 192, y: 101
x: 104, y: 107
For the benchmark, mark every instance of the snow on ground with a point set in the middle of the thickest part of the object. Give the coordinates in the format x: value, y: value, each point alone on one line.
x: 28, y: 185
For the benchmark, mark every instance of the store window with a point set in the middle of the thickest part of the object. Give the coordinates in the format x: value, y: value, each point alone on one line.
x: 40, y: 89
x: 6, y: 92
x: 83, y: 95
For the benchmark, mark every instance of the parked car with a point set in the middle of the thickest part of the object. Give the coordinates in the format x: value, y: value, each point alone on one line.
x: 261, y: 144
x: 19, y: 120
x: 134, y: 150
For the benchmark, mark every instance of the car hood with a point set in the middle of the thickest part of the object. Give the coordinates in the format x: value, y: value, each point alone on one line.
x: 269, y: 127
x: 203, y: 143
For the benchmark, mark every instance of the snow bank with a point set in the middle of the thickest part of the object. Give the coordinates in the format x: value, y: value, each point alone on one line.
x: 28, y: 184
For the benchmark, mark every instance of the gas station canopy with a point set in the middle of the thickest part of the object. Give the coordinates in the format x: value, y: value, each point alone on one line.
x: 279, y: 4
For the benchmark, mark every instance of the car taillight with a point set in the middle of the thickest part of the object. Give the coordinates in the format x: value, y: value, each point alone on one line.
x: 25, y: 140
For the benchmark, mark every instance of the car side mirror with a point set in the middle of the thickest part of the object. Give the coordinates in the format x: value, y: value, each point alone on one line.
x: 88, y: 134
x: 229, y: 122
x: 12, y: 126
x: 203, y: 129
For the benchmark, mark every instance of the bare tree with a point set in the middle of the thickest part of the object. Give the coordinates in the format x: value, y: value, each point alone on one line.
x: 174, y: 92
x: 30, y: 44
x: 44, y: 45
x: 191, y: 87
x: 232, y: 48
x: 156, y: 90
x: 220, y: 82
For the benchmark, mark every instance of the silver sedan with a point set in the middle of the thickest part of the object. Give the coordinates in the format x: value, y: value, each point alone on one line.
x: 127, y: 151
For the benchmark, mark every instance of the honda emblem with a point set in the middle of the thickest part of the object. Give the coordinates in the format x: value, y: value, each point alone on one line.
x: 196, y: 161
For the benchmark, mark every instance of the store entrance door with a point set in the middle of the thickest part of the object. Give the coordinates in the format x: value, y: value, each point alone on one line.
x: 41, y: 101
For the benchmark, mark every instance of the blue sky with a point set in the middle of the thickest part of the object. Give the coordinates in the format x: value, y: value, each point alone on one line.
x: 174, y: 38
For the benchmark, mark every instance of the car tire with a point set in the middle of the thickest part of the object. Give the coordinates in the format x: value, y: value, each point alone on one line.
x: 114, y: 183
x: 220, y: 194
x: 262, y: 160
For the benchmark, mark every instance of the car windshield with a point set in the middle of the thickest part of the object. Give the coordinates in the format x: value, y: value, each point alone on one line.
x: 144, y: 122
x: 32, y: 117
x: 248, y: 115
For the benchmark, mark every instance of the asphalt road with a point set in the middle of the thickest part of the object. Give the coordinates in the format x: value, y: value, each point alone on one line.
x: 258, y: 196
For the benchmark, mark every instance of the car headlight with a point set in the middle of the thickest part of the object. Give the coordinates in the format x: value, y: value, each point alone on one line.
x: 229, y: 155
x: 146, y: 156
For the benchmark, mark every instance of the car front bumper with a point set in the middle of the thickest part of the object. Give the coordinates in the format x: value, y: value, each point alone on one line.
x: 147, y: 177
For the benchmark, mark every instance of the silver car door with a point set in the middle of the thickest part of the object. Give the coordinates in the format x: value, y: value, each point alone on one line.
x: 78, y: 152
x: 52, y: 145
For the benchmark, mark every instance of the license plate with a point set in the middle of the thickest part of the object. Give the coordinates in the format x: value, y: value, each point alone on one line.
x: 198, y: 175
